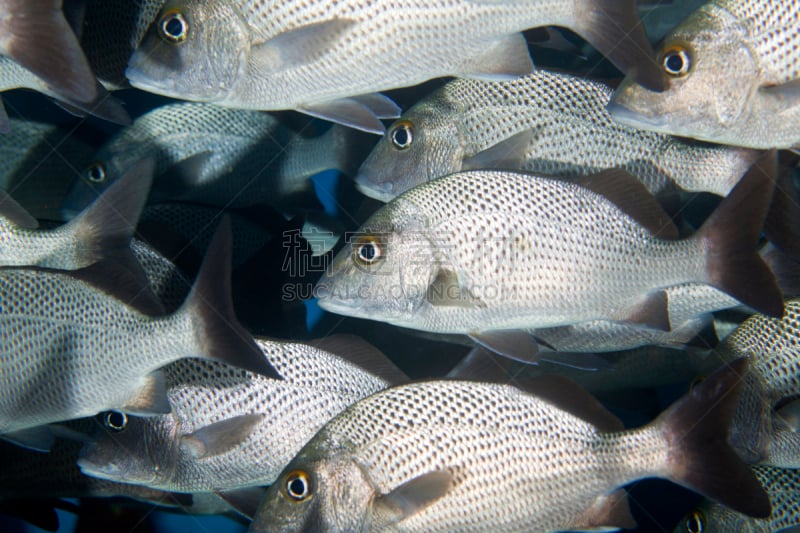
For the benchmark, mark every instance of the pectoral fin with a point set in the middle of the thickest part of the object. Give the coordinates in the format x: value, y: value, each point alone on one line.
x: 502, y: 59
x: 507, y: 154
x: 412, y: 496
x: 346, y: 111
x: 446, y: 291
x: 299, y: 46
x: 220, y: 437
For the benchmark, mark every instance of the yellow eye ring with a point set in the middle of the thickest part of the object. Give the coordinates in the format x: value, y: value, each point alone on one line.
x: 368, y: 250
x: 676, y: 61
x: 402, y: 135
x: 695, y: 522
x: 173, y: 27
x: 96, y: 173
x: 298, y: 485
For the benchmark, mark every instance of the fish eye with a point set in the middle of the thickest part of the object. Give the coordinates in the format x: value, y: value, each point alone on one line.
x: 402, y: 135
x: 115, y: 420
x: 298, y: 485
x: 696, y: 522
x: 173, y: 27
x: 367, y: 250
x: 96, y: 173
x: 676, y: 61
x: 696, y: 381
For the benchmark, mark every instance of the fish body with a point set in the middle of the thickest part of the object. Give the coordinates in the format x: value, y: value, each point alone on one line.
x: 216, y: 156
x: 498, y: 251
x: 783, y: 487
x: 734, y: 72
x: 547, y: 123
x: 73, y: 350
x: 272, y: 419
x: 323, y: 59
x: 447, y: 456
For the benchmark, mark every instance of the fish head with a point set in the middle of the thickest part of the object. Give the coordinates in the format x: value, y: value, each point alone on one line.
x: 712, y: 76
x: 424, y: 144
x: 194, y: 50
x: 315, y: 493
x: 129, y: 449
x: 711, y: 517
x: 385, y: 268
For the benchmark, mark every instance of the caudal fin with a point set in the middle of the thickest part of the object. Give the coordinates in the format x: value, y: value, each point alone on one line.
x: 699, y: 457
x: 106, y: 227
x: 731, y: 235
x: 210, y: 305
x: 614, y: 28
x: 37, y: 36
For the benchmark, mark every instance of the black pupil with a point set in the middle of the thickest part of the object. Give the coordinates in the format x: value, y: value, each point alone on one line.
x: 367, y: 252
x: 693, y: 525
x: 401, y: 137
x: 96, y: 173
x: 116, y: 420
x: 297, y: 487
x: 174, y: 27
x: 675, y: 62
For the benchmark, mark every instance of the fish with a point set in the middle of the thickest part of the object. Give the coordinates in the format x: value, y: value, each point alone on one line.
x: 546, y: 122
x: 467, y: 456
x: 37, y: 162
x: 783, y: 487
x: 660, y: 18
x: 230, y: 428
x: 102, y: 231
x: 216, y: 156
x: 770, y: 345
x: 70, y: 349
x: 322, y: 60
x: 733, y: 75
x: 36, y: 34
x: 493, y: 254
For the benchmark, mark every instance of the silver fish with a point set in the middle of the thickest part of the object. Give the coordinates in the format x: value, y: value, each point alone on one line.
x: 217, y: 156
x: 321, y: 58
x: 770, y: 345
x: 546, y: 122
x: 467, y: 456
x: 734, y: 72
x: 36, y: 34
x: 72, y: 350
x: 101, y: 231
x: 490, y: 253
x: 783, y: 487
x: 230, y: 428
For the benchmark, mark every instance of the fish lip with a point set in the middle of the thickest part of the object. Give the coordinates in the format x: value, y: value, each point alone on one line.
x: 627, y: 116
x: 378, y: 191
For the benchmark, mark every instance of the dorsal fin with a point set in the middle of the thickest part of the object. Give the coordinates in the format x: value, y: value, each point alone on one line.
x: 10, y: 209
x: 631, y: 197
x: 571, y: 397
x: 362, y: 354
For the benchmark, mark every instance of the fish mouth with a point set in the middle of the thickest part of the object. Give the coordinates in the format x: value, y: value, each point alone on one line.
x: 378, y: 191
x: 338, y: 306
x: 629, y: 117
x: 109, y: 471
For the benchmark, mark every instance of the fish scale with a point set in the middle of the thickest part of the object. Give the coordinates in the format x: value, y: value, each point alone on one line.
x: 316, y: 386
x: 571, y: 134
x: 311, y: 55
x: 446, y: 455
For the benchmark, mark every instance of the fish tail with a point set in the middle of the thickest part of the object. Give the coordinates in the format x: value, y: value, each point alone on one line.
x: 38, y: 37
x: 730, y: 237
x: 106, y: 226
x: 699, y: 456
x: 614, y: 28
x: 219, y: 335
